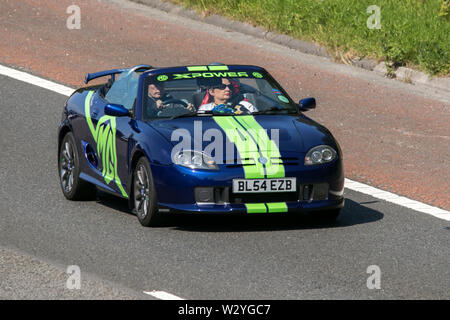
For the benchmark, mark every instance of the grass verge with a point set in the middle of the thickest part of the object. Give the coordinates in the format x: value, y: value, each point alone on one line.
x: 412, y: 32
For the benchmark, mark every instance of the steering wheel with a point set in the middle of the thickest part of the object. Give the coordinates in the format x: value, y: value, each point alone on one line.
x: 180, y: 108
x: 176, y: 101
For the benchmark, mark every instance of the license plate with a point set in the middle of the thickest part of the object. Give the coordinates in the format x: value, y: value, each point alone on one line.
x: 264, y: 185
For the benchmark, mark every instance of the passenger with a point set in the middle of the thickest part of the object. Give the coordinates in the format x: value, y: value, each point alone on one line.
x: 219, y: 96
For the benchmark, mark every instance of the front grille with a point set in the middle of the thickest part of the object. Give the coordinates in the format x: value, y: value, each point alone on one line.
x: 310, y: 192
x: 286, y: 161
x: 237, y: 163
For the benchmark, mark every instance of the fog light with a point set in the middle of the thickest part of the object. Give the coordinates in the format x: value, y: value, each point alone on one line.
x: 204, y: 195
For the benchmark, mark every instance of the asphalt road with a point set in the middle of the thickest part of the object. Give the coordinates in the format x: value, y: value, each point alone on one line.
x: 394, y: 136
x: 253, y: 257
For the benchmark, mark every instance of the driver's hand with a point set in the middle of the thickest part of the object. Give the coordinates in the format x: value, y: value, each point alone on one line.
x: 239, y: 109
x: 190, y: 107
x: 160, y: 104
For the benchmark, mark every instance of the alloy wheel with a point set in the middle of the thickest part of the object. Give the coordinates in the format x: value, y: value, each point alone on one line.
x: 141, y: 191
x: 67, y: 167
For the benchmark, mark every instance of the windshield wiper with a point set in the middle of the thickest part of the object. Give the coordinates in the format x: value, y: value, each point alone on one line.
x: 202, y: 113
x: 272, y: 110
x: 193, y: 114
x: 189, y: 114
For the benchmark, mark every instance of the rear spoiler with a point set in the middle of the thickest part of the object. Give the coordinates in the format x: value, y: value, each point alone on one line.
x: 113, y: 72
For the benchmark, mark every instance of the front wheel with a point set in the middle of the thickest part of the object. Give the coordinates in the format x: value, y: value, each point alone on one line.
x: 144, y: 195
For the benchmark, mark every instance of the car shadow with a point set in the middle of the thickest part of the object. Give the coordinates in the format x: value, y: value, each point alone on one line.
x: 113, y: 202
x: 353, y: 213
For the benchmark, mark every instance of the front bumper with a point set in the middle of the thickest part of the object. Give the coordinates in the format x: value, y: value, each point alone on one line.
x: 176, y: 185
x: 292, y: 207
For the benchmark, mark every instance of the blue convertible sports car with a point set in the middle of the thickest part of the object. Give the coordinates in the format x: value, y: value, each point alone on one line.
x: 198, y: 139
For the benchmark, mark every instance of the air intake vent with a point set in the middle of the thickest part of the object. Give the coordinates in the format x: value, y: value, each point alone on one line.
x: 241, y: 162
x: 287, y: 161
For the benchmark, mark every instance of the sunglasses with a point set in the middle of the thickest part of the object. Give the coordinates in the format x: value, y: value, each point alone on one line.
x: 223, y: 86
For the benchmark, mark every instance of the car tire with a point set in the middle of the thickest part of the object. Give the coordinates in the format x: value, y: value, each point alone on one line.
x: 72, y: 186
x: 144, y: 195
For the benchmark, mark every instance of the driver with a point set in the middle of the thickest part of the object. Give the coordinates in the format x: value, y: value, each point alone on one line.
x: 220, y: 94
x: 157, y: 98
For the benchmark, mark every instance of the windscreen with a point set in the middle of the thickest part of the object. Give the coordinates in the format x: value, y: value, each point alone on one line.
x: 216, y: 93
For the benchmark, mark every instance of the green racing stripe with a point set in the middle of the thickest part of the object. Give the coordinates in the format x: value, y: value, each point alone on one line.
x: 256, y: 207
x: 246, y: 146
x: 277, y: 207
x: 271, y: 207
x: 252, y: 143
x: 267, y: 147
x: 206, y: 68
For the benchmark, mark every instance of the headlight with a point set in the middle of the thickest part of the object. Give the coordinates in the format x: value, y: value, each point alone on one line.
x: 194, y: 160
x: 319, y: 155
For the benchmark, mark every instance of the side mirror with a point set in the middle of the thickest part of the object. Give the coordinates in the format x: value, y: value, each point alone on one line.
x: 307, y: 104
x: 116, y: 110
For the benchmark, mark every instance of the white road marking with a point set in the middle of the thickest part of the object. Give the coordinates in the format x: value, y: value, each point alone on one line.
x: 162, y: 295
x: 349, y: 184
x: 398, y: 200
x: 28, y: 78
